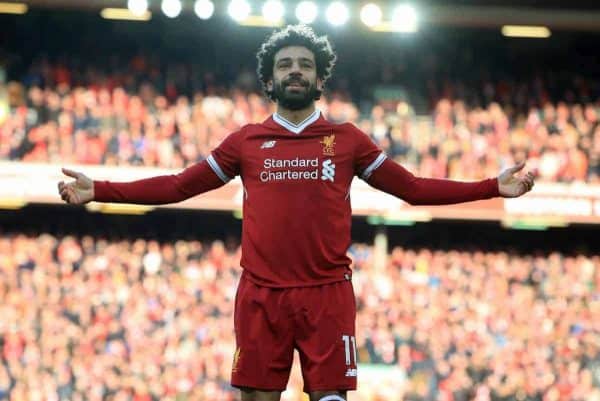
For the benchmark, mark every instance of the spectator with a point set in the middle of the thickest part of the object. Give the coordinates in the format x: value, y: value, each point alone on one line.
x: 111, y: 122
x: 88, y: 318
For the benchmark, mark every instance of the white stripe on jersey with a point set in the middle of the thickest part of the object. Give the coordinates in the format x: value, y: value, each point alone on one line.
x: 217, y: 169
x: 376, y: 163
x: 297, y: 128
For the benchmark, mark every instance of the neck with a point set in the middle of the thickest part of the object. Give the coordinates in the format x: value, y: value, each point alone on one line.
x: 296, y: 116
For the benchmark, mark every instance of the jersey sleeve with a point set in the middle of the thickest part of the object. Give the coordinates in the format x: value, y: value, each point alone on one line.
x: 160, y: 190
x: 398, y: 181
x: 367, y: 155
x: 225, y: 160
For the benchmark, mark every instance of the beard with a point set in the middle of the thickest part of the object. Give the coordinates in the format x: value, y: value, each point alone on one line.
x: 295, y: 99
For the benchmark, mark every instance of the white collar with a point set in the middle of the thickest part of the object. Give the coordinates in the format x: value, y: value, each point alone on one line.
x: 297, y: 128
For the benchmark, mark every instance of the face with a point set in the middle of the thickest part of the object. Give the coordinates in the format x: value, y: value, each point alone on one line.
x: 295, y: 83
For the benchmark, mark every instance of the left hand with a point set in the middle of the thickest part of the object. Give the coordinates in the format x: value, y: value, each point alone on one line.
x: 511, y: 186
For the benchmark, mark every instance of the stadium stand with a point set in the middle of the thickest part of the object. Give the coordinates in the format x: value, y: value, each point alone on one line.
x: 87, y: 317
x: 106, y: 313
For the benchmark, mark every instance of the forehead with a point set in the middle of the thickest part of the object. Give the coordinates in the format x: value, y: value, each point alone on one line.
x: 294, y: 52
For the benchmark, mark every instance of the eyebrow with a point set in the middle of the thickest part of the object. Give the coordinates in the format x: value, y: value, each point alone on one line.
x: 290, y: 59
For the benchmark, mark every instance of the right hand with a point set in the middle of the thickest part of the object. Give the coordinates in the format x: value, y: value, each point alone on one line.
x: 76, y: 192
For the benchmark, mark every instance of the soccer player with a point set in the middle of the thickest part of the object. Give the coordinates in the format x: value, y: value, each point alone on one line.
x: 295, y: 291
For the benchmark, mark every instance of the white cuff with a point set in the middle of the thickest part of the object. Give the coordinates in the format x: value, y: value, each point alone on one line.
x: 376, y: 163
x: 217, y: 169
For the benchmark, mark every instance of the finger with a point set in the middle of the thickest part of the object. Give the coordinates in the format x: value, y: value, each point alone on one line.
x: 73, y: 196
x: 72, y: 193
x: 61, y: 184
x: 524, y: 187
x: 516, y: 168
x: 71, y: 173
x: 529, y: 184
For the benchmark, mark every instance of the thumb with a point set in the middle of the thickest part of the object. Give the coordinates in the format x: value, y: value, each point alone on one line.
x: 516, y: 168
x: 71, y: 173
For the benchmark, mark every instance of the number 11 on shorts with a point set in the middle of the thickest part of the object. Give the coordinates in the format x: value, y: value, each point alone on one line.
x: 346, y: 339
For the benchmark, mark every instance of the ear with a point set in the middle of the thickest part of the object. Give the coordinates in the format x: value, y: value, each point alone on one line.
x: 319, y: 84
x: 270, y: 85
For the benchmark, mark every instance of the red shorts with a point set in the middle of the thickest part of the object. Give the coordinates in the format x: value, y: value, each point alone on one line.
x: 317, y: 321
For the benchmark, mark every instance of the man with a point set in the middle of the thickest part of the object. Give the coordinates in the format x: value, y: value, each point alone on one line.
x: 295, y: 291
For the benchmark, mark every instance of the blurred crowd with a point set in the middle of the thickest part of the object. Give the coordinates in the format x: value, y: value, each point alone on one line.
x: 173, y: 118
x: 90, y: 318
x: 482, y: 326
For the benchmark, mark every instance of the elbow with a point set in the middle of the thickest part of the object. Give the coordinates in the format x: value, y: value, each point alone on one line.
x: 405, y: 196
x: 408, y: 199
x: 402, y: 195
x: 412, y: 201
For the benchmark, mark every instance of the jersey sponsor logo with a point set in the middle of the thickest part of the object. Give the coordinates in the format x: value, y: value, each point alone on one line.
x: 284, y: 163
x: 268, y: 144
x: 352, y: 372
x: 296, y: 169
x: 266, y: 176
x: 328, y: 171
x: 328, y: 143
x: 289, y: 169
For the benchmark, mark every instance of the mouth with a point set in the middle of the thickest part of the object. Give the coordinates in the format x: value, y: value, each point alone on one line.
x: 295, y: 85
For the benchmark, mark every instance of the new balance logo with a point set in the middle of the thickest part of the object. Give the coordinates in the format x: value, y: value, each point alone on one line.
x: 267, y: 144
x: 351, y: 373
x: 328, y: 171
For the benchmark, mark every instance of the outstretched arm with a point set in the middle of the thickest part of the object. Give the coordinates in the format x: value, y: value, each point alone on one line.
x: 164, y: 189
x: 394, y: 179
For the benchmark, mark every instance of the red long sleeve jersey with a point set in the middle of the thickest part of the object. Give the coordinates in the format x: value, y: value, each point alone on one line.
x: 297, y: 214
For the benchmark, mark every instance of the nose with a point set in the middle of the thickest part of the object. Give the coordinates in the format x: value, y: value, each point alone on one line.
x: 296, y: 68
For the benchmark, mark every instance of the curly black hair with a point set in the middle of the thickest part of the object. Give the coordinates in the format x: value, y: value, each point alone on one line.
x: 295, y: 35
